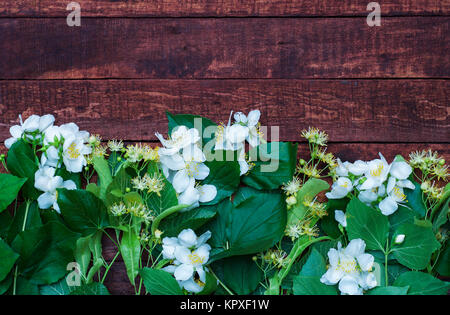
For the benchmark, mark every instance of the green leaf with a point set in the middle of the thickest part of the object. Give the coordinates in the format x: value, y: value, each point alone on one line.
x: 388, y: 291
x: 45, y: 252
x: 57, y: 288
x: 8, y: 258
x: 239, y: 273
x: 82, y: 211
x: 5, y: 222
x: 225, y: 176
x: 442, y: 216
x: 168, y: 198
x: 443, y: 263
x: 22, y: 162
x: 101, y: 166
x: 66, y: 175
x: 9, y: 189
x: 328, y: 223
x: 401, y: 216
x: 6, y: 284
x: 274, y: 165
x: 252, y: 223
x: 414, y: 199
x: 33, y: 219
x: 422, y: 284
x: 26, y: 287
x: 130, y: 248
x: 159, y: 282
x: 205, y: 127
x: 415, y: 251
x: 308, y: 280
x: 94, y: 288
x: 120, y: 182
x: 83, y: 254
x: 193, y: 219
x: 368, y: 224
x: 309, y: 190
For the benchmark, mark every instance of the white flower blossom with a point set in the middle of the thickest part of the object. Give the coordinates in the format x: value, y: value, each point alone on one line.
x: 340, y: 188
x: 189, y: 254
x: 351, y: 268
x: 46, y: 181
x: 30, y: 125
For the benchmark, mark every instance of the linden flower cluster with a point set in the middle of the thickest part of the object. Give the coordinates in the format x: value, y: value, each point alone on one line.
x: 151, y: 184
x: 376, y: 183
x: 135, y: 209
x: 61, y: 146
x: 291, y: 188
x: 317, y: 141
x: 429, y: 169
x: 276, y: 257
x: 139, y: 152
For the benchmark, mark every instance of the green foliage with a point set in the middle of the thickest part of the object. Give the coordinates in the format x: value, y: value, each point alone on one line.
x: 130, y: 248
x: 7, y: 257
x: 308, y: 280
x: 45, y: 252
x: 239, y: 273
x: 9, y: 189
x: 274, y: 166
x: 159, y: 282
x: 82, y: 211
x: 94, y: 288
x: 101, y: 166
x: 415, y: 252
x: 23, y: 163
x: 193, y: 219
x: 224, y: 175
x: 168, y: 198
x: 368, y: 224
x: 422, y: 284
x: 415, y: 200
x: 252, y: 223
x: 309, y: 190
x: 388, y: 291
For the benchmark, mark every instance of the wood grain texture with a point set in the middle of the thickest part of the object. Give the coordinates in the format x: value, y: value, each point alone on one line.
x: 349, y: 110
x: 407, y: 47
x: 178, y: 8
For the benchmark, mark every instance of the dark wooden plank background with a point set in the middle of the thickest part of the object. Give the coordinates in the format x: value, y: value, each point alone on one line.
x: 302, y: 63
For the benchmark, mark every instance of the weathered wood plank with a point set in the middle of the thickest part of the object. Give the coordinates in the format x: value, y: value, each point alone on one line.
x: 175, y: 8
x: 225, y: 48
x: 349, y: 110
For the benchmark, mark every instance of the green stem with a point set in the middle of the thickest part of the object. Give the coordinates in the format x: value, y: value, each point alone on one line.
x: 96, y: 267
x: 386, y: 254
x: 439, y: 204
x: 165, y: 214
x: 16, y: 271
x: 221, y: 283
x: 109, y: 266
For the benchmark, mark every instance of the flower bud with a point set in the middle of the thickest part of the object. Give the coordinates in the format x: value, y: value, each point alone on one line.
x: 399, y: 239
x: 441, y: 162
x: 424, y: 186
x: 127, y: 189
x: 254, y: 258
x: 158, y: 234
x: 290, y: 201
x: 302, y: 162
x: 119, y: 159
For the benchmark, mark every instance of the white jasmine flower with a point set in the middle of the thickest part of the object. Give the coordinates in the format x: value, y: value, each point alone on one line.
x: 74, y: 148
x: 195, y: 194
x: 31, y: 124
x: 351, y: 268
x: 342, y: 168
x: 376, y: 173
x: 46, y: 181
x: 181, y: 138
x: 189, y: 254
x: 340, y: 217
x: 399, y: 239
x: 357, y: 168
x: 340, y: 188
x: 251, y: 122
